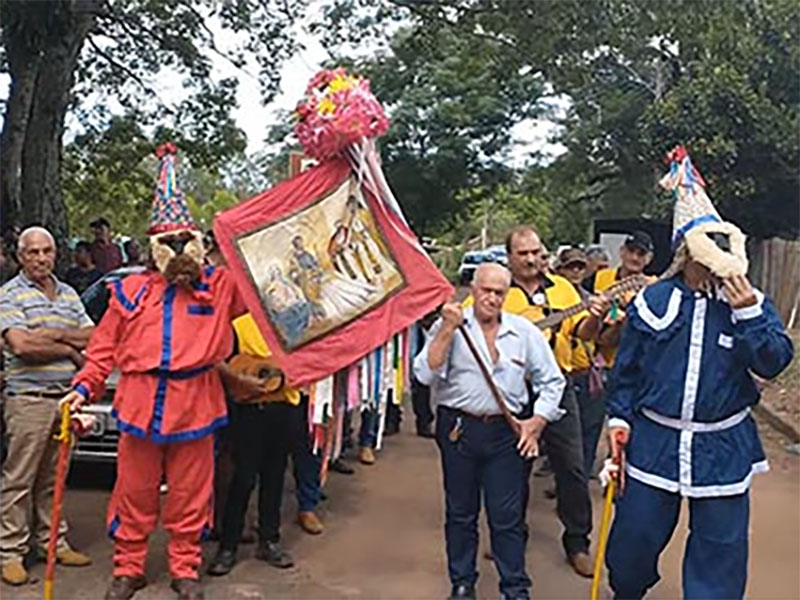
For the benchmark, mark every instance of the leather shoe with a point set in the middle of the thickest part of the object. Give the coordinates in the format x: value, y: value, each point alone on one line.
x: 67, y: 557
x: 582, y: 564
x: 272, y: 553
x: 123, y: 587
x: 222, y: 564
x: 366, y: 456
x: 426, y: 432
x: 188, y: 589
x: 339, y: 466
x: 462, y: 592
x: 310, y: 523
x: 14, y: 572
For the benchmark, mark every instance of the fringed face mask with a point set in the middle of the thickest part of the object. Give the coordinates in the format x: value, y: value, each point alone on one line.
x: 178, y: 255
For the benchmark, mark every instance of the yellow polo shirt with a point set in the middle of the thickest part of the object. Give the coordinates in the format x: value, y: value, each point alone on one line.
x: 253, y: 343
x: 604, y: 279
x: 559, y: 294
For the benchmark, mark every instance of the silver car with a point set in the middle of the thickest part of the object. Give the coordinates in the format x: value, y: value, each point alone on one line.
x: 101, y: 443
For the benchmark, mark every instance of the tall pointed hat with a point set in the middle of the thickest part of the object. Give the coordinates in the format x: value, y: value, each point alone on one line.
x: 170, y: 211
x: 717, y: 244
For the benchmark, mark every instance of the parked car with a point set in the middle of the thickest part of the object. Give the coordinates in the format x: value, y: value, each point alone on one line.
x: 473, y: 258
x: 100, y: 445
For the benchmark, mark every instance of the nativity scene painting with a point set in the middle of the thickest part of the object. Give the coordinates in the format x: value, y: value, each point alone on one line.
x: 321, y: 267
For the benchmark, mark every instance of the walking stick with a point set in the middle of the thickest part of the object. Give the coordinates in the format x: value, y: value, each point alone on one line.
x: 65, y: 440
x: 605, y: 524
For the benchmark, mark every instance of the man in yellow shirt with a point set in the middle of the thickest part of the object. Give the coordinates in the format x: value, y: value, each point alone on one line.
x: 586, y: 376
x: 535, y: 295
x: 265, y: 430
x: 635, y: 254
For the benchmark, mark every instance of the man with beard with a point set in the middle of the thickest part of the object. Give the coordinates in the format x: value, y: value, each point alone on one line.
x: 166, y: 330
x: 681, y: 391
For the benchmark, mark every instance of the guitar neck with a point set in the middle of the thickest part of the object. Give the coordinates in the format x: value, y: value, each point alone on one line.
x: 611, y: 293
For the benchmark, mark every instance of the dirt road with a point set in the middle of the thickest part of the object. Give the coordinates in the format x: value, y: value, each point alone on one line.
x: 384, y: 539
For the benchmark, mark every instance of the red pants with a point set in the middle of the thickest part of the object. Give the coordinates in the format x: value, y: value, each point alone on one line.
x: 134, y: 507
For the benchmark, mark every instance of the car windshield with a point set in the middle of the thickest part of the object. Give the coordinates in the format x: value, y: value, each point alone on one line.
x: 473, y: 259
x: 95, y: 298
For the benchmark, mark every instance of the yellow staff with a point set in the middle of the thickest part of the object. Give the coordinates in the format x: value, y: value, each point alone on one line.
x: 608, y: 507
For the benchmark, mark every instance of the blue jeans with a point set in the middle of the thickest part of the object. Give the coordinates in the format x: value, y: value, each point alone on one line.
x: 368, y: 434
x: 715, y: 560
x: 483, y: 462
x: 592, y: 413
x: 307, y: 467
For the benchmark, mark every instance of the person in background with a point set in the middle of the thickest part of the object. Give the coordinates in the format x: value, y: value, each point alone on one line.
x: 41, y: 362
x: 635, y: 255
x: 421, y: 393
x: 597, y: 258
x: 133, y: 252
x: 83, y: 273
x: 586, y: 376
x: 106, y: 254
x: 264, y: 429
x: 543, y: 260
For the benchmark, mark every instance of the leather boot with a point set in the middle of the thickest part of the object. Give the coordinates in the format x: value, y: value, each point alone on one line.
x: 310, y: 523
x: 366, y: 455
x: 188, y: 589
x: 123, y: 587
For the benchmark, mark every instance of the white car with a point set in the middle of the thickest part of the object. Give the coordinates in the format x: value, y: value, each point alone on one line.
x: 473, y: 258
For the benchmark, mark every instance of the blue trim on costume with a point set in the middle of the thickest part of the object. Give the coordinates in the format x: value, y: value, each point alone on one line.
x: 201, y: 309
x: 194, y: 434
x: 126, y: 427
x: 201, y: 286
x: 208, y: 271
x: 113, y: 527
x: 82, y: 390
x: 123, y: 299
x: 158, y: 408
x: 679, y: 233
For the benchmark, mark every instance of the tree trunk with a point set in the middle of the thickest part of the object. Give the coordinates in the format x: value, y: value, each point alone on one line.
x: 40, y: 95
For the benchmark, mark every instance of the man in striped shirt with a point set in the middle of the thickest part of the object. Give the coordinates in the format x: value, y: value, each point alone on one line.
x: 44, y: 328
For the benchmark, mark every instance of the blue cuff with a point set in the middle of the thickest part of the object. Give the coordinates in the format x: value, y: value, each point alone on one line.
x: 82, y: 390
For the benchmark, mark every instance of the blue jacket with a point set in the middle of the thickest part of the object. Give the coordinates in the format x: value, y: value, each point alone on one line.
x: 682, y: 383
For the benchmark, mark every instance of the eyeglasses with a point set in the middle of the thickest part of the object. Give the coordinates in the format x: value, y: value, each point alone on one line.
x: 575, y: 266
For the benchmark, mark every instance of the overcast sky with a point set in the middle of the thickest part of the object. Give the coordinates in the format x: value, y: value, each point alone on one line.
x: 255, y: 119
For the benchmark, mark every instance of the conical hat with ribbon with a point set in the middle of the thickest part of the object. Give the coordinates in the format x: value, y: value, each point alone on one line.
x: 695, y: 218
x: 170, y: 211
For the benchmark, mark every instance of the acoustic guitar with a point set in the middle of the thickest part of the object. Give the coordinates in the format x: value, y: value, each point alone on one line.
x: 265, y: 369
x: 619, y: 290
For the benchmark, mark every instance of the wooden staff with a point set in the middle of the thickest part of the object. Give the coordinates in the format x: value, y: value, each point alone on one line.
x: 65, y: 439
x: 496, y: 394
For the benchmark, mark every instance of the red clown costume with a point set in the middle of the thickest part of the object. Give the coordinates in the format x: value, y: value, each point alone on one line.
x: 166, y: 336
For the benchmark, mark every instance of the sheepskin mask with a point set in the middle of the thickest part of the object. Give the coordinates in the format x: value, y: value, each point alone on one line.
x: 721, y: 262
x: 170, y: 244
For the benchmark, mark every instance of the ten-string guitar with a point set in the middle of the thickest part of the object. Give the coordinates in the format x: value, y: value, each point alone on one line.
x: 630, y: 284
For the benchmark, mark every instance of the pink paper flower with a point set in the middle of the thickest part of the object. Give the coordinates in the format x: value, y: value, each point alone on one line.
x: 338, y: 110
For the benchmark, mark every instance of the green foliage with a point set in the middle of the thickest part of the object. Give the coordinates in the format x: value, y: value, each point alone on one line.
x: 719, y: 77
x: 113, y: 172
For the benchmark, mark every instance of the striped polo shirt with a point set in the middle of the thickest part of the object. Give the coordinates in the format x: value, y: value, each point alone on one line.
x: 24, y: 306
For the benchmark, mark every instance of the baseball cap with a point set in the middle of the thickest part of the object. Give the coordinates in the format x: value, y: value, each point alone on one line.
x: 102, y: 221
x: 569, y: 255
x: 641, y: 240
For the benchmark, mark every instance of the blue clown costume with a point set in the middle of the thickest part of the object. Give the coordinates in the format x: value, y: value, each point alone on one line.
x: 682, y: 384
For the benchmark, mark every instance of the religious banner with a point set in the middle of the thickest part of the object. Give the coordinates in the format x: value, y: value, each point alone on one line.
x: 329, y: 270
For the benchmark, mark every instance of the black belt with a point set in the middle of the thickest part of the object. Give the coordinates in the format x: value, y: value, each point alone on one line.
x: 467, y: 415
x: 187, y: 374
